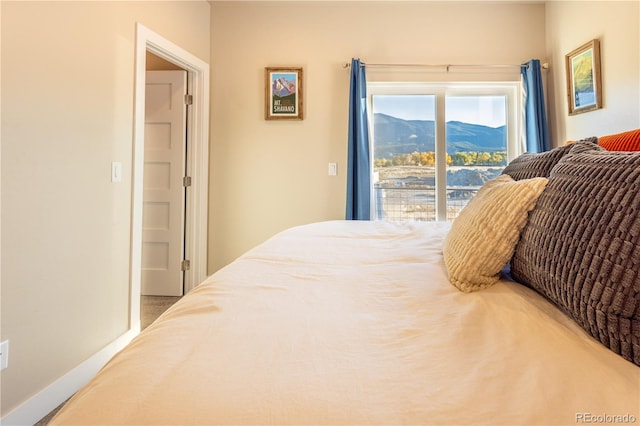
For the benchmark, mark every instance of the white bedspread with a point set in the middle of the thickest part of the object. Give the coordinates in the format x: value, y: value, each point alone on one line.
x: 355, y: 323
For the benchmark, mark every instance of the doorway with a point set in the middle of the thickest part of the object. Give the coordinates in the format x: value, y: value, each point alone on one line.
x: 151, y: 45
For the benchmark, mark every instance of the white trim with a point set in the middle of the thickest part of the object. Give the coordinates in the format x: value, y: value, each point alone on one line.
x: 45, y: 401
x: 197, y: 160
x: 441, y: 152
x: 53, y: 395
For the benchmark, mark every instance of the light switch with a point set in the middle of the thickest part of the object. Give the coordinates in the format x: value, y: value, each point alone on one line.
x: 333, y: 169
x: 4, y: 355
x: 116, y: 171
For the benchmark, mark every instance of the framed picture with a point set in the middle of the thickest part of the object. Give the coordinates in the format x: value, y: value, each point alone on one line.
x: 283, y: 94
x: 584, y: 85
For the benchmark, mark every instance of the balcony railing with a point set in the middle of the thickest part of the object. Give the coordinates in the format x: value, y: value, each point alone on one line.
x: 401, y: 203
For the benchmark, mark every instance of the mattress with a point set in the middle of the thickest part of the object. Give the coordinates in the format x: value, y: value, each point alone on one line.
x: 356, y: 323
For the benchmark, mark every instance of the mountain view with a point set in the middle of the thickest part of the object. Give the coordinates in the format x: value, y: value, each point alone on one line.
x: 395, y: 136
x: 405, y: 187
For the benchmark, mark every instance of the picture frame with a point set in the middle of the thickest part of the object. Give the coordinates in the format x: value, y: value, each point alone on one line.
x: 584, y: 83
x: 283, y: 93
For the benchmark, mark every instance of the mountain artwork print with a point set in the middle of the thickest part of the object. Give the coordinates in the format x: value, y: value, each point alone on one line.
x: 283, y: 93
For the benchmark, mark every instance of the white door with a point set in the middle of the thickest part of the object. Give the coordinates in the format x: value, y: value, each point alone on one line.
x: 164, y: 192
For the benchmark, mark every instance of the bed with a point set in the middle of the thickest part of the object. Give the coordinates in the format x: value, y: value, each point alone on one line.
x: 361, y: 323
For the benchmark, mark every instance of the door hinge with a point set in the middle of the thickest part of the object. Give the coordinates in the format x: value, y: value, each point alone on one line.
x: 188, y: 99
x: 186, y: 181
x: 186, y: 265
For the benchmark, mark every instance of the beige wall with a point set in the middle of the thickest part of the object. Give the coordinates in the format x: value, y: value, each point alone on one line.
x: 67, y: 113
x: 67, y: 108
x: 615, y: 23
x: 270, y: 175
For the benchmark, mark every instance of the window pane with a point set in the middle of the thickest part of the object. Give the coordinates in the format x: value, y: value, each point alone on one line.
x: 404, y: 157
x: 476, y: 146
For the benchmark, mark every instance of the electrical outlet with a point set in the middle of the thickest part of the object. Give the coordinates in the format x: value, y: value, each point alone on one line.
x: 4, y: 355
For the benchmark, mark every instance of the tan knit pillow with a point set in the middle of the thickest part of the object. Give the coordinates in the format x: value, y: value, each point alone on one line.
x: 485, y: 233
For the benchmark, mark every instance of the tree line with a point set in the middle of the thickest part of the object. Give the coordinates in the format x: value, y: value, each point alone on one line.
x: 469, y: 158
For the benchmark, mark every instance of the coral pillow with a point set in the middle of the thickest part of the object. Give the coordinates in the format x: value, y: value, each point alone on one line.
x: 625, y: 141
x: 485, y: 233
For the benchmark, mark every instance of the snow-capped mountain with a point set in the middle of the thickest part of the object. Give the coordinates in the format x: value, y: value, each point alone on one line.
x: 283, y: 87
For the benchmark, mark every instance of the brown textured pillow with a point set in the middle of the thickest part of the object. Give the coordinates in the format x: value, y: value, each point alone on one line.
x: 581, y: 245
x: 529, y: 165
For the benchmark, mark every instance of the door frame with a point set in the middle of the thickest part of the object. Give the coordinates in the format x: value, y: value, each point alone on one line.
x: 196, y: 212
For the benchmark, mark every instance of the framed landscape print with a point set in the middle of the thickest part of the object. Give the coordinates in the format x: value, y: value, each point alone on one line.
x: 283, y: 94
x: 584, y: 86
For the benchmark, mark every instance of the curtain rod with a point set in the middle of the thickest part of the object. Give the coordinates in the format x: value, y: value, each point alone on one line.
x: 447, y: 67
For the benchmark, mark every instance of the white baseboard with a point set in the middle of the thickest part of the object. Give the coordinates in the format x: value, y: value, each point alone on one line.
x: 45, y: 401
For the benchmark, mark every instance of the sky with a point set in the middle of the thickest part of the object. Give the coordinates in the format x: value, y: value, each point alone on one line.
x: 485, y: 110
